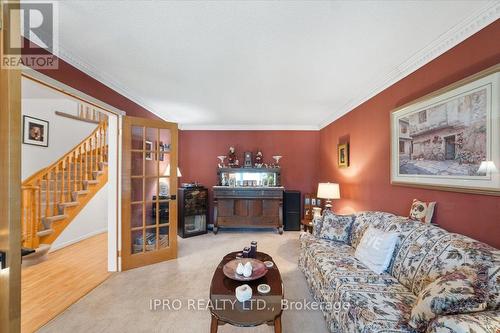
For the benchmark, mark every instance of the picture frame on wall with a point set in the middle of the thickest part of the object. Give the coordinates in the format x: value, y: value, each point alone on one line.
x: 149, y: 148
x: 343, y: 155
x: 450, y: 139
x: 35, y: 131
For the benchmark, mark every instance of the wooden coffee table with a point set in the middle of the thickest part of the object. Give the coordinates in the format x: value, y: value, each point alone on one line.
x: 262, y: 309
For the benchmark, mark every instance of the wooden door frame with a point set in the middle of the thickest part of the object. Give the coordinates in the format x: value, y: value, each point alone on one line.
x: 10, y: 186
x: 125, y: 250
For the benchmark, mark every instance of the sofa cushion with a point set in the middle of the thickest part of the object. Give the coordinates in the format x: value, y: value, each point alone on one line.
x: 365, y: 219
x: 479, y: 322
x: 336, y: 227
x: 317, y: 224
x: 461, y: 291
x: 376, y: 248
x: 333, y: 263
x: 494, y: 288
x: 372, y: 308
x: 428, y: 252
x: 314, y: 246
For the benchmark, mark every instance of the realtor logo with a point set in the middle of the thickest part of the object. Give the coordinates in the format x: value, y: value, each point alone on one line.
x: 38, y: 24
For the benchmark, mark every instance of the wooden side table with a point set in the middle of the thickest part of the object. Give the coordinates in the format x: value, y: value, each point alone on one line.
x: 307, y: 224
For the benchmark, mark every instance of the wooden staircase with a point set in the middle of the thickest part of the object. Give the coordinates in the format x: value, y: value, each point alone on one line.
x: 53, y: 197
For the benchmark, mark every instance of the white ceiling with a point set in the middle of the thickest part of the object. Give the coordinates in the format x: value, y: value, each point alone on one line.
x: 260, y: 64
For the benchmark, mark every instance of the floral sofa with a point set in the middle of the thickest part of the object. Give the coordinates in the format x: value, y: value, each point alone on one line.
x: 383, y: 303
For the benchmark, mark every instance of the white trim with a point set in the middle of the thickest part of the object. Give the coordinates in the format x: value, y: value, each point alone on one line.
x: 457, y: 34
x: 63, y: 88
x: 265, y: 127
x: 79, y: 239
x: 113, y: 191
x: 460, y: 32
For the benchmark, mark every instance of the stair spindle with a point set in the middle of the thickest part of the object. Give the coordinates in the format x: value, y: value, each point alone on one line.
x: 75, y: 174
x: 91, y: 153
x: 96, y: 151
x: 68, y: 183
x: 47, y: 195
x: 56, y: 175
x: 62, y: 182
x: 38, y: 204
x: 33, y: 219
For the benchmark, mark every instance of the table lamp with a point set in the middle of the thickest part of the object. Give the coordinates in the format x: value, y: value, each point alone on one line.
x: 328, y: 191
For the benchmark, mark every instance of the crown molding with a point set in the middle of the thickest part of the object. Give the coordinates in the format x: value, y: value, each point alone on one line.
x: 102, y: 77
x: 457, y: 34
x: 239, y: 127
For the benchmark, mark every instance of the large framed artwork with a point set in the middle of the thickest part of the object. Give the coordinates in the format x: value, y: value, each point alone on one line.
x: 35, y: 131
x: 450, y: 139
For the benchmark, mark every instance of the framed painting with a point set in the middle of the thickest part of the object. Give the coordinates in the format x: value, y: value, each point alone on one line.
x: 343, y: 155
x: 450, y: 139
x: 35, y: 131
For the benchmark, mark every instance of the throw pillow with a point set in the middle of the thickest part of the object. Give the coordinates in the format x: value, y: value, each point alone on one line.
x: 460, y: 291
x: 494, y: 288
x: 376, y: 248
x: 422, y: 211
x: 336, y: 227
x: 318, y: 223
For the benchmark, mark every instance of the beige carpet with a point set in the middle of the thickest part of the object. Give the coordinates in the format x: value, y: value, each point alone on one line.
x: 122, y: 303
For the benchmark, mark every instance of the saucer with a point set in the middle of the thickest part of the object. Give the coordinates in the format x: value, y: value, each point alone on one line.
x: 263, y: 288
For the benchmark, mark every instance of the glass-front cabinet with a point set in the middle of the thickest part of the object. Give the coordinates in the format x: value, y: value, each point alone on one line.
x: 193, y: 211
x: 253, y: 177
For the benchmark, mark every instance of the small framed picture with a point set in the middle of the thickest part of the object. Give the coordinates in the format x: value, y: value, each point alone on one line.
x: 343, y: 155
x: 35, y: 131
x: 149, y: 154
x: 313, y: 202
x: 307, y: 201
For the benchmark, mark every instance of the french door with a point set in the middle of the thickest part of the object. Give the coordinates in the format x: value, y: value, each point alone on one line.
x: 10, y: 178
x: 149, y: 192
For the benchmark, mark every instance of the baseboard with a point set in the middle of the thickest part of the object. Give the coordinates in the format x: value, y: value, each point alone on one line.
x: 76, y: 240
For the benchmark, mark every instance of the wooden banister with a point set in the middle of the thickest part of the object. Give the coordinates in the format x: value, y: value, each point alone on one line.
x: 57, y: 182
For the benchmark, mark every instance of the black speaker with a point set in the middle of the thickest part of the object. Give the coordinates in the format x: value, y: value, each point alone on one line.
x: 291, y: 210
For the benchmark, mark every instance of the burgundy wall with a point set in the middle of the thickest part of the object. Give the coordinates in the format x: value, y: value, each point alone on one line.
x: 198, y: 151
x: 77, y: 79
x: 365, y: 185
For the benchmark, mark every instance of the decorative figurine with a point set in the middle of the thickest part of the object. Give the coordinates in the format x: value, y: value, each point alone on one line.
x: 233, y: 161
x: 259, y: 159
x: 247, y: 163
x: 277, y: 158
x: 221, y: 158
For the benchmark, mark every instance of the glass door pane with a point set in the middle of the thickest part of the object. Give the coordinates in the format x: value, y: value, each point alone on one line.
x: 153, y: 187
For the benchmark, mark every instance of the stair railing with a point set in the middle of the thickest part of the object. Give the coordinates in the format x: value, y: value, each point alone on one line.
x: 58, y: 183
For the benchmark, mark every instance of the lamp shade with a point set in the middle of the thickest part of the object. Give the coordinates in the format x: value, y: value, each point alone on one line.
x: 487, y: 166
x: 328, y: 191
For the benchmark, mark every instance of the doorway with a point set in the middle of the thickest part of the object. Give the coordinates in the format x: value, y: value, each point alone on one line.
x: 449, y: 147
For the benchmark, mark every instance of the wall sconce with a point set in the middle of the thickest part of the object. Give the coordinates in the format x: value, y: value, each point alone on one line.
x: 3, y: 260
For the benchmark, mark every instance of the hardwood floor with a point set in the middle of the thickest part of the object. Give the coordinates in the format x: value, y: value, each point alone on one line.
x: 53, y: 285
